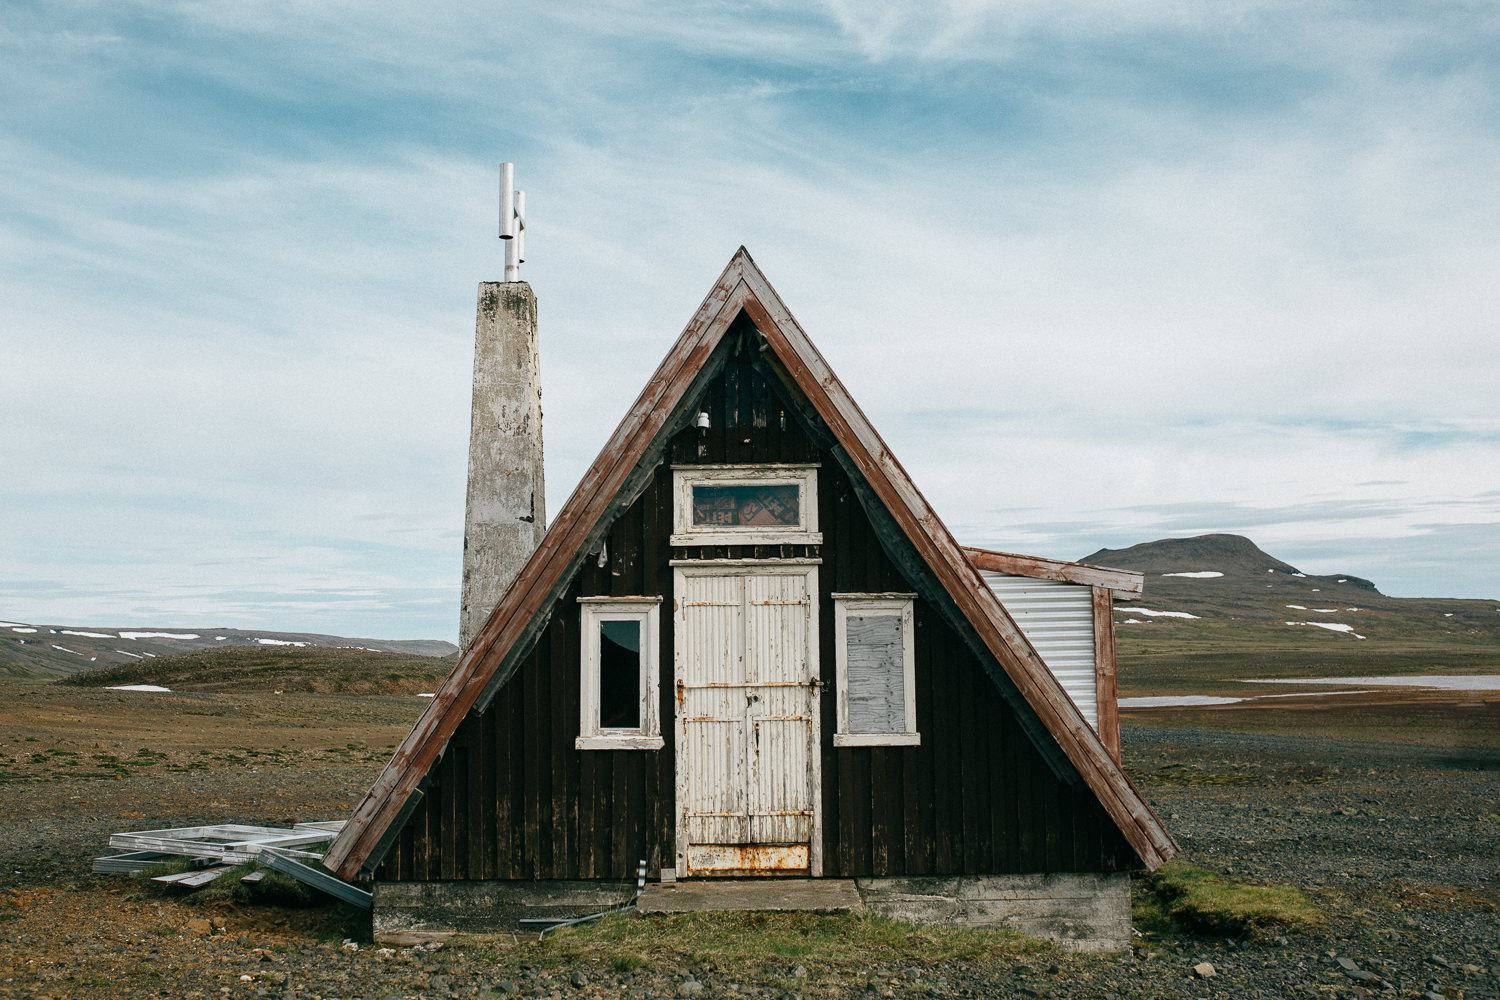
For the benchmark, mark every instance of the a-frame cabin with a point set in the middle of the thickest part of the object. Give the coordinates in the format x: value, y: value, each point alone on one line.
x: 747, y: 647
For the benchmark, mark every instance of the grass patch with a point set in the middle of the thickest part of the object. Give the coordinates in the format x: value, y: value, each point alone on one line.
x: 1182, y: 897
x: 757, y: 945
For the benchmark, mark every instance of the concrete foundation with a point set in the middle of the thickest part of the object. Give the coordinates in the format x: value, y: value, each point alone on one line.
x: 414, y: 911
x: 506, y: 511
x: 1079, y: 912
x: 806, y: 895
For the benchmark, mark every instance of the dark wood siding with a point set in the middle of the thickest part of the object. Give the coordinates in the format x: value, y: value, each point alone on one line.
x: 512, y: 798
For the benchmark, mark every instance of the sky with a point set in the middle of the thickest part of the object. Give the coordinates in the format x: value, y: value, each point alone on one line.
x: 1100, y: 273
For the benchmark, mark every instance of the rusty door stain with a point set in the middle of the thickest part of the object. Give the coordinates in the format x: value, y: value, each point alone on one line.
x: 746, y: 705
x: 728, y: 858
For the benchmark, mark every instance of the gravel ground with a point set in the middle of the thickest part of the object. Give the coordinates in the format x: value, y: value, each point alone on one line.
x: 1398, y: 843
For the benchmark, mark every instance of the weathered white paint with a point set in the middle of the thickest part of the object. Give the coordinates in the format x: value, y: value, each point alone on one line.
x: 593, y: 611
x: 745, y: 667
x: 506, y: 513
x: 1058, y: 620
x: 875, y: 668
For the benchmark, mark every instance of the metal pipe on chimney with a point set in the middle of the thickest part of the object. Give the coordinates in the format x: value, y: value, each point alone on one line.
x: 507, y: 201
x: 512, y: 222
x: 520, y: 231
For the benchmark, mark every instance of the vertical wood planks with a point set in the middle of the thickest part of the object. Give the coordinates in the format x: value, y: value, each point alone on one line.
x: 513, y: 798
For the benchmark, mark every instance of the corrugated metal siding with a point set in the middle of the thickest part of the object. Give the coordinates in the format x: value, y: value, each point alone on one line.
x: 1058, y: 619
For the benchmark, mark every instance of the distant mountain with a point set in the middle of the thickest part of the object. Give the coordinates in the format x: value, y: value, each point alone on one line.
x: 1228, y: 555
x: 1210, y: 594
x: 34, y: 650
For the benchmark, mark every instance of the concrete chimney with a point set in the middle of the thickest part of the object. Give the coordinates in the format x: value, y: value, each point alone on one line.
x: 506, y: 511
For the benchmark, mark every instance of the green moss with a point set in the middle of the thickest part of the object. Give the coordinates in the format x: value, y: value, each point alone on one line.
x: 1179, y: 896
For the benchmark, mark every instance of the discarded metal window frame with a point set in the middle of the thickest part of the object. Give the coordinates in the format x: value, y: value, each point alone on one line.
x: 194, y: 879
x: 281, y: 861
x: 225, y: 842
x: 216, y: 849
x: 132, y: 861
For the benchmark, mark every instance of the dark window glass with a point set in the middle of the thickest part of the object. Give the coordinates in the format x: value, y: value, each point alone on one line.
x: 620, y: 675
x: 752, y: 506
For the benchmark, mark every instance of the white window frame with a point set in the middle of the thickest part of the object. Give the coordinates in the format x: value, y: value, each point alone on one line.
x: 802, y: 475
x: 592, y: 611
x: 863, y: 605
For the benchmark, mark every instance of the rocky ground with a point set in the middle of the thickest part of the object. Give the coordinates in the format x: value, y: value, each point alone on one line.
x: 1397, y: 843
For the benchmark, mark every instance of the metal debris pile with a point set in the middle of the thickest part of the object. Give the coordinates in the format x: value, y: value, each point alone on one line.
x: 217, y: 850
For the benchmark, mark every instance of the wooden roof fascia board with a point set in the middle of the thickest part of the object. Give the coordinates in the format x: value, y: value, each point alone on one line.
x: 899, y: 548
x: 390, y: 834
x: 635, y: 482
x: 880, y: 468
x: 524, y: 598
x: 1127, y: 585
x: 861, y: 463
x: 945, y: 557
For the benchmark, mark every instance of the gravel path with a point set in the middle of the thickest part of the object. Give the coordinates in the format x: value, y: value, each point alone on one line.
x: 1398, y: 843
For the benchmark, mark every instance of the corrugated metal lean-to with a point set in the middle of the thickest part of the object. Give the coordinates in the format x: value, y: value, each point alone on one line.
x: 1058, y: 620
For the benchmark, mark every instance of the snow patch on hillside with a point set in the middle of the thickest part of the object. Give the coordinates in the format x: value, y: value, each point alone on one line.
x: 1332, y: 627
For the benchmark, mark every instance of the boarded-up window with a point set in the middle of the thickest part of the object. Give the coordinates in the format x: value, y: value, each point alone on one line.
x: 876, y: 663
x: 877, y: 703
x: 619, y: 666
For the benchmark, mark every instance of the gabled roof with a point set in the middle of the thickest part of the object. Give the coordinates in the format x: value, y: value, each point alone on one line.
x: 494, y: 652
x: 1125, y: 584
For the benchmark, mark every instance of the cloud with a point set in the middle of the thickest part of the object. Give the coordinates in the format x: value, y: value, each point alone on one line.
x: 1165, y: 265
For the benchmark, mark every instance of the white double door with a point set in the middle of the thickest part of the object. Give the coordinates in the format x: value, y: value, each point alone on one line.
x: 747, y: 717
